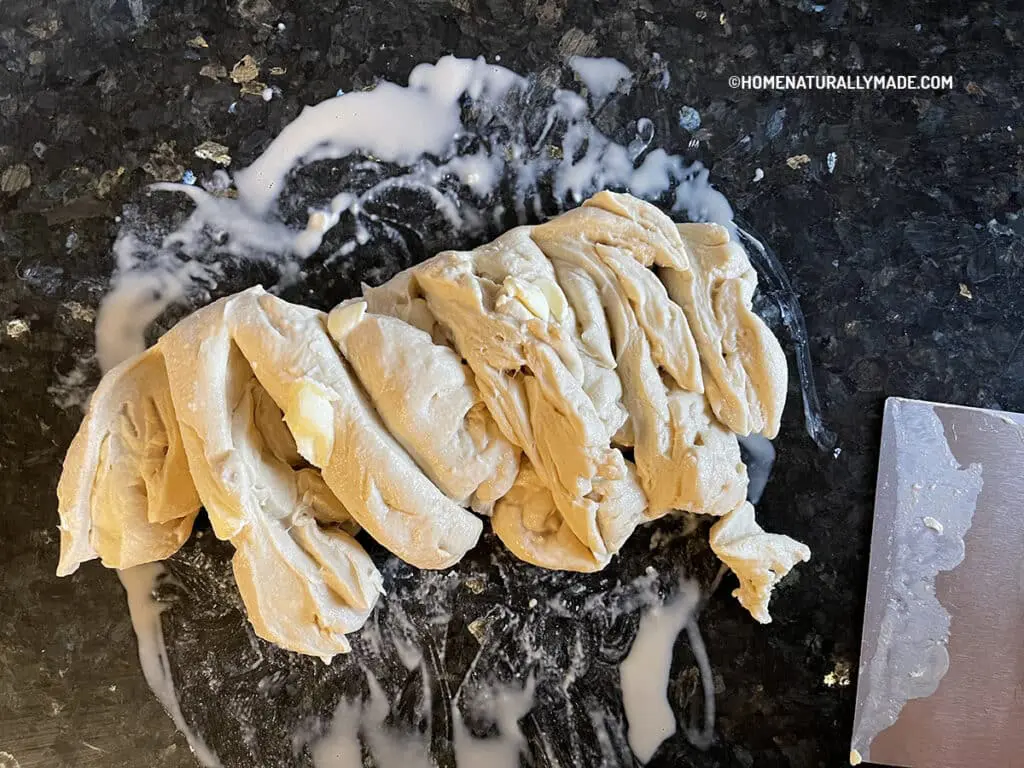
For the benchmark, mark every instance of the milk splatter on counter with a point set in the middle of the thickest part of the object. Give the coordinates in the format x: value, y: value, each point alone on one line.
x: 601, y: 75
x: 478, y: 146
x: 645, y: 672
x: 370, y: 182
x: 492, y: 661
x: 140, y: 584
x: 455, y: 664
x: 357, y: 727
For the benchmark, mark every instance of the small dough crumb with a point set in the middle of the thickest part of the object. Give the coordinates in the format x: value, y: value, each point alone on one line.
x: 17, y: 328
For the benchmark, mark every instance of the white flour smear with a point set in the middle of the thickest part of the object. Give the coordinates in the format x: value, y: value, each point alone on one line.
x: 601, y: 76
x: 482, y: 665
x: 645, y: 674
x: 357, y: 727
x: 484, y: 145
x: 139, y: 584
x: 504, y: 706
x: 486, y: 711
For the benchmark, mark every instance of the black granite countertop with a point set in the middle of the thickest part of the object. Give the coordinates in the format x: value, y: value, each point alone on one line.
x: 907, y: 255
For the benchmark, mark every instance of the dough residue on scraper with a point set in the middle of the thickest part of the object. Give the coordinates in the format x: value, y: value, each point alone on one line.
x: 570, y: 381
x: 907, y: 657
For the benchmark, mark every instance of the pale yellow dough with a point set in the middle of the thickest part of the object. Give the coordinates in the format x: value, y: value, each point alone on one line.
x: 427, y: 399
x: 126, y: 495
x: 571, y: 380
x: 759, y: 560
x: 305, y: 581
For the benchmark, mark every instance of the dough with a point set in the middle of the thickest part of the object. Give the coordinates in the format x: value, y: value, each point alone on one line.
x: 609, y: 242
x: 745, y: 367
x: 529, y: 523
x: 338, y: 431
x: 507, y: 316
x: 760, y: 560
x: 572, y: 380
x: 126, y: 495
x: 305, y: 581
x: 428, y: 400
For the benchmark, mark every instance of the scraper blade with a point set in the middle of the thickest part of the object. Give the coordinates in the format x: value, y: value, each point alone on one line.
x: 941, y: 681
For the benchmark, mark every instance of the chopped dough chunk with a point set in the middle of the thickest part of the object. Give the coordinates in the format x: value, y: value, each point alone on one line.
x: 759, y: 560
x: 708, y: 477
x: 429, y: 402
x: 573, y: 380
x: 366, y: 467
x: 492, y: 302
x: 745, y: 367
x: 305, y: 581
x: 607, y: 245
x: 529, y: 524
x: 126, y: 495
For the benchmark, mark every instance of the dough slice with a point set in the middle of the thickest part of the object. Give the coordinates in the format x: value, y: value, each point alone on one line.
x: 336, y: 429
x: 709, y: 276
x: 584, y: 298
x: 685, y: 460
x: 710, y: 477
x: 628, y: 235
x: 305, y: 586
x: 649, y: 428
x: 400, y: 297
x: 745, y: 367
x: 125, y: 494
x: 592, y: 337
x: 534, y: 530
x: 760, y: 560
x: 428, y: 400
x: 530, y: 525
x: 304, y: 580
x: 505, y: 315
x: 209, y: 377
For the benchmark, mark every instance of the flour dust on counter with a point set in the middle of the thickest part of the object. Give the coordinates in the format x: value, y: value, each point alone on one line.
x: 358, y: 728
x: 492, y: 662
x: 601, y: 75
x: 505, y: 706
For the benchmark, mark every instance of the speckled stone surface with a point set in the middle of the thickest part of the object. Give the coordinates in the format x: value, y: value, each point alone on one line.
x: 908, y: 257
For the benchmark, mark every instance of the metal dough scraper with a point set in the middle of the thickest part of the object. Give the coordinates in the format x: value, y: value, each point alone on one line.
x: 941, y: 681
